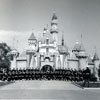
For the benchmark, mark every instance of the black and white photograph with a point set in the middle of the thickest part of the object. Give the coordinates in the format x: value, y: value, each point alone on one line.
x: 49, y: 49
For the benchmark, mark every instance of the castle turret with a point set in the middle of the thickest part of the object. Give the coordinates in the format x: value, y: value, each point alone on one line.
x: 96, y: 65
x: 32, y: 42
x: 14, y: 54
x: 63, y: 50
x: 76, y: 48
x: 44, y: 32
x: 31, y: 51
x: 82, y: 56
x: 54, y: 27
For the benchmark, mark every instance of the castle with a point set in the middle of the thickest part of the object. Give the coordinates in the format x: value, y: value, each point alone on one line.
x: 46, y: 53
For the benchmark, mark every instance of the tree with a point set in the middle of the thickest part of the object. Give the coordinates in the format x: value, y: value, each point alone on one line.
x: 99, y: 71
x: 4, y: 57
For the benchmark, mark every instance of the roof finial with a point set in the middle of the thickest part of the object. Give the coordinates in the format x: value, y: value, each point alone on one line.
x: 32, y: 30
x: 17, y: 44
x: 95, y: 48
x: 96, y: 57
x: 62, y: 38
x: 81, y: 38
x: 54, y: 16
x: 13, y: 43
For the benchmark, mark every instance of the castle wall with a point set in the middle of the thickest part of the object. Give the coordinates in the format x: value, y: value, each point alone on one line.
x: 43, y: 50
x: 96, y: 67
x: 21, y: 64
x: 13, y: 63
x: 91, y: 67
x: 32, y: 62
x: 96, y: 63
x: 58, y: 62
x: 62, y: 61
x: 66, y: 63
x: 73, y: 64
x: 83, y: 63
x: 27, y: 63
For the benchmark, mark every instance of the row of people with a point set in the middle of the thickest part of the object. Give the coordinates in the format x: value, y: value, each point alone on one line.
x: 32, y: 74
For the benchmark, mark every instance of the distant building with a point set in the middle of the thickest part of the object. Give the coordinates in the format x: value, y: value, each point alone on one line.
x: 47, y: 52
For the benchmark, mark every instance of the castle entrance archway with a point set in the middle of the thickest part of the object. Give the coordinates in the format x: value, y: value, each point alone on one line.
x: 46, y: 72
x: 47, y: 68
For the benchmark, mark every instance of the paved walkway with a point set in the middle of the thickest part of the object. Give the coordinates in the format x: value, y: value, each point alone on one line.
x: 60, y: 90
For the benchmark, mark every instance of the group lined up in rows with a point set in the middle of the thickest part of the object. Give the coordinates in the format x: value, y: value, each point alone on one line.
x: 35, y: 74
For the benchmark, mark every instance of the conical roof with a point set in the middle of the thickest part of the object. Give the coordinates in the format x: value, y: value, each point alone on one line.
x: 81, y: 48
x: 96, y: 57
x: 54, y: 16
x: 62, y: 39
x: 76, y: 47
x: 90, y: 62
x: 32, y: 37
x: 62, y: 49
x: 44, y: 31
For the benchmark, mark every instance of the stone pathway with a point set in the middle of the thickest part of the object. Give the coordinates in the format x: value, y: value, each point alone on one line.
x: 58, y: 85
x: 37, y: 90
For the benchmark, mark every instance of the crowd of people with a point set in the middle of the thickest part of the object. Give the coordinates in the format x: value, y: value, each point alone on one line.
x: 36, y: 74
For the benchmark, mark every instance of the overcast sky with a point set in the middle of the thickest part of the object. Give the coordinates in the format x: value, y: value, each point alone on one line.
x: 76, y: 17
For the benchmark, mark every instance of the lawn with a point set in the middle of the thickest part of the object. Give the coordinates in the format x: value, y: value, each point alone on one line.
x: 2, y: 83
x: 91, y: 84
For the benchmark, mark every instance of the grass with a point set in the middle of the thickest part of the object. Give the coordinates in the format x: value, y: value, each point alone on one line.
x: 91, y: 84
x: 2, y: 83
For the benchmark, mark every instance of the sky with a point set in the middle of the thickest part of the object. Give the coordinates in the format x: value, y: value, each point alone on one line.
x: 19, y: 18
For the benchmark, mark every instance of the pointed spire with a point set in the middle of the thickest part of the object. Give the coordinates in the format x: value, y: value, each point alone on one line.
x: 96, y: 57
x: 62, y: 39
x: 81, y: 48
x: 54, y: 19
x: 81, y: 38
x: 17, y: 44
x: 54, y: 16
x: 45, y: 29
x: 13, y: 43
x: 32, y: 37
x: 44, y: 32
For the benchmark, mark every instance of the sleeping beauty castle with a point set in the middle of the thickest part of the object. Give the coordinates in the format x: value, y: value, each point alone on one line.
x: 46, y: 53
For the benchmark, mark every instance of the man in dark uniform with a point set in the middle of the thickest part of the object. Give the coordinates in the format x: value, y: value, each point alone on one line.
x: 86, y: 76
x: 1, y: 74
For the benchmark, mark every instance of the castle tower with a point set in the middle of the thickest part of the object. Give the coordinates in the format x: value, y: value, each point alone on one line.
x: 96, y: 65
x: 76, y: 48
x: 82, y: 56
x: 63, y: 50
x: 32, y: 41
x: 14, y: 54
x: 54, y: 27
x: 44, y: 32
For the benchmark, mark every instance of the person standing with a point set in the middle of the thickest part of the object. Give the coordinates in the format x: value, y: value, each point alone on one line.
x: 86, y: 76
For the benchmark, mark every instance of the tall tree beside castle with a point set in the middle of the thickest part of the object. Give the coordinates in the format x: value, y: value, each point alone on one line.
x: 4, y: 57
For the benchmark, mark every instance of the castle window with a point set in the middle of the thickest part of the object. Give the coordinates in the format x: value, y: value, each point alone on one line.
x: 47, y: 41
